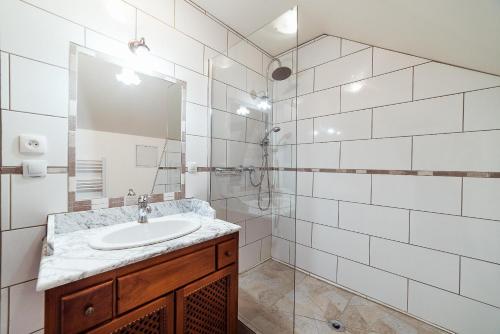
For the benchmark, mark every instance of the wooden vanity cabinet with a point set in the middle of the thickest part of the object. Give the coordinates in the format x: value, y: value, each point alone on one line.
x: 191, y: 290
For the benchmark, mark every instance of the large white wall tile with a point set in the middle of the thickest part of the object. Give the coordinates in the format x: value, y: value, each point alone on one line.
x: 479, y: 280
x: 197, y: 150
x: 265, y: 249
x: 347, y: 187
x: 5, y: 202
x: 482, y: 110
x: 284, y: 227
x: 218, y: 153
x: 196, y: 119
x: 114, y: 18
x: 386, y: 89
x: 26, y: 309
x: 38, y: 88
x: 319, y: 155
x: 53, y: 32
x: 194, y: 23
x: 282, y: 156
x: 351, y: 68
x: 4, y: 81
x: 282, y: 111
x: 287, y: 134
x: 305, y: 82
x: 304, y: 183
x: 256, y: 83
x: 280, y: 249
x: 387, y: 61
x: 54, y: 128
x: 258, y: 228
x: 305, y: 131
x: 317, y: 262
x: 197, y: 185
x: 317, y: 210
x: 239, y: 99
x: 480, y: 198
x: 378, y: 284
x: 21, y: 251
x: 389, y: 153
x: 225, y: 186
x: 473, y: 151
x: 249, y: 256
x: 161, y: 9
x: 160, y: 38
x: 197, y: 85
x: 438, y: 115
x: 347, y: 244
x: 476, y: 238
x: 228, y: 126
x: 219, y: 95
x: 245, y: 53
x: 435, y: 79
x: 228, y: 71
x: 320, y: 51
x: 303, y: 231
x: 346, y: 126
x: 349, y: 46
x: 424, y: 265
x: 437, y: 194
x: 324, y: 102
x: 255, y: 131
x: 452, y: 311
x: 4, y: 311
x: 243, y: 154
x: 380, y: 221
x: 45, y: 195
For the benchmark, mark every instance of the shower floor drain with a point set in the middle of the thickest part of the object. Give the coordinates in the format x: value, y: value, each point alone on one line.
x: 337, y: 325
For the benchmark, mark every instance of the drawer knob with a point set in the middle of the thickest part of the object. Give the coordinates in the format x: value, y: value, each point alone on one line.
x: 228, y: 253
x: 89, y: 311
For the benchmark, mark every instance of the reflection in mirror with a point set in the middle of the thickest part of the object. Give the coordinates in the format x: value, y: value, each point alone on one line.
x: 128, y: 130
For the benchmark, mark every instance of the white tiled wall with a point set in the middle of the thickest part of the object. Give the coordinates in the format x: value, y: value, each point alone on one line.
x: 35, y: 36
x: 427, y: 245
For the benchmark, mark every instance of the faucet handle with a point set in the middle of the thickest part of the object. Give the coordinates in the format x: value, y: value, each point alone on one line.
x: 143, y: 199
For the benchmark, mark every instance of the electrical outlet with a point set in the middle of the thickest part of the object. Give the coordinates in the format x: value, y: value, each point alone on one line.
x: 32, y: 144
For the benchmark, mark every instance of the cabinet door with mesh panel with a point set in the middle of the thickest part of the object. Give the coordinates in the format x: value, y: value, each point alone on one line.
x: 156, y: 317
x: 209, y: 305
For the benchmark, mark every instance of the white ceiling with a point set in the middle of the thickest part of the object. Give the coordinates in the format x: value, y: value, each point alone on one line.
x: 460, y: 32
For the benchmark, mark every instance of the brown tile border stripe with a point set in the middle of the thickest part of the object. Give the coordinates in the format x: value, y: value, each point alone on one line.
x: 492, y: 175
x: 381, y: 172
x: 19, y: 170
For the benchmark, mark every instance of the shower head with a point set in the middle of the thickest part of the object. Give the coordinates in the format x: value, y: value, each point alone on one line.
x: 281, y: 72
x: 265, y: 140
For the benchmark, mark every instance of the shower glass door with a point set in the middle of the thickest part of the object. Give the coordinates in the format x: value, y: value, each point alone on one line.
x: 253, y: 93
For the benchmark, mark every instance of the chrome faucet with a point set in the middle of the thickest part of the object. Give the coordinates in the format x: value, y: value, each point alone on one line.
x: 144, y: 209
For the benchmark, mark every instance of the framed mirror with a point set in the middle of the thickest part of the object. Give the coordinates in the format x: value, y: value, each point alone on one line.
x: 126, y: 132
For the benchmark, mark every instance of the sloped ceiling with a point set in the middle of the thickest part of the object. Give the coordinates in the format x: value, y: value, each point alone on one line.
x: 459, y: 32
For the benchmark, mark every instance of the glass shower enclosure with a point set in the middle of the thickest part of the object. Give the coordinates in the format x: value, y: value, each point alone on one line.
x: 253, y: 181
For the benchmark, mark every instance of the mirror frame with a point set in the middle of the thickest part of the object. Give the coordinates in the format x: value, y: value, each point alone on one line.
x: 110, y: 202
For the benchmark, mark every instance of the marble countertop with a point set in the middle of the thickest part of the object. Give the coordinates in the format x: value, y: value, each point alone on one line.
x: 69, y: 258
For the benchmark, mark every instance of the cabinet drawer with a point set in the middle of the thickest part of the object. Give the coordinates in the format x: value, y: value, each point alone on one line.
x: 86, y: 308
x: 154, y: 317
x: 227, y: 252
x: 142, y: 286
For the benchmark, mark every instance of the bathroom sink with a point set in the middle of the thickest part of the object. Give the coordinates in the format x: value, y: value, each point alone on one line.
x: 133, y: 234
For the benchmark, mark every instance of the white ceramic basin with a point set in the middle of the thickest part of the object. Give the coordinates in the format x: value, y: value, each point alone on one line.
x: 133, y: 234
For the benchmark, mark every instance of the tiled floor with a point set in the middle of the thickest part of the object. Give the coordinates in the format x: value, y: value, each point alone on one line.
x: 266, y: 306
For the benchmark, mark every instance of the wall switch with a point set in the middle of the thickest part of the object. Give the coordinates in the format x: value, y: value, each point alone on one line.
x: 34, y: 168
x: 32, y: 144
x: 192, y: 167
